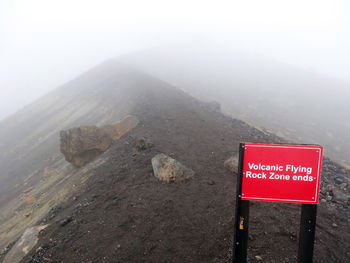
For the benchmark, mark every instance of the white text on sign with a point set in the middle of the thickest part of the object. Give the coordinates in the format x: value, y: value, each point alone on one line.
x: 273, y: 172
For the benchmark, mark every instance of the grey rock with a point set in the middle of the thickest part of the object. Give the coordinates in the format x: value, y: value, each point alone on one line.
x: 170, y: 170
x: 338, y: 195
x: 339, y: 180
x: 258, y: 258
x: 343, y: 185
x: 142, y: 144
x: 66, y: 221
x: 231, y: 164
x: 330, y: 188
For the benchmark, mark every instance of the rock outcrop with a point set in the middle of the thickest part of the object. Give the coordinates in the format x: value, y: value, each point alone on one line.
x: 21, y: 248
x: 231, y: 164
x: 170, y: 170
x: 81, y: 145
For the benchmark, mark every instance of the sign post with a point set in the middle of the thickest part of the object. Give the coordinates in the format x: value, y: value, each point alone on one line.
x: 307, y: 233
x: 241, y: 216
x: 278, y: 173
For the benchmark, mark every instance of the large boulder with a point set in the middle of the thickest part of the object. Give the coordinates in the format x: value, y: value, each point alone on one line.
x: 170, y: 170
x: 82, y: 144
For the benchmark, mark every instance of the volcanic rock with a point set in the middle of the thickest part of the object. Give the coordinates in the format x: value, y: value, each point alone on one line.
x: 142, y: 144
x: 258, y: 258
x: 340, y: 196
x: 339, y: 180
x: 231, y: 164
x: 330, y: 188
x: 66, y: 221
x: 27, y: 241
x: 343, y: 185
x: 170, y: 170
x: 81, y: 145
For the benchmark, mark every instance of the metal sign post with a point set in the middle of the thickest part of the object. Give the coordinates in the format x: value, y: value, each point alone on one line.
x: 241, y: 216
x: 263, y: 170
x: 307, y: 233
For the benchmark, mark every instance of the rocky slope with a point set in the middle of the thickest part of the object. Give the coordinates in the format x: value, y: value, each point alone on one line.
x: 114, y: 209
x: 30, y: 148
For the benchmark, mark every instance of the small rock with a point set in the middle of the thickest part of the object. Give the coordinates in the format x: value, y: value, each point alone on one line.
x: 329, y: 198
x: 66, y: 221
x: 330, y: 188
x: 210, y: 182
x: 338, y: 195
x: 28, y: 214
x: 258, y: 258
x: 46, y: 245
x: 323, y: 200
x: 142, y: 144
x: 343, y: 185
x: 334, y: 225
x: 39, y: 249
x: 339, y: 180
x: 95, y: 196
x: 231, y: 164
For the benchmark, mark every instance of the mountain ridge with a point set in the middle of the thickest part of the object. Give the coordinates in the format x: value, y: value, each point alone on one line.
x: 118, y: 210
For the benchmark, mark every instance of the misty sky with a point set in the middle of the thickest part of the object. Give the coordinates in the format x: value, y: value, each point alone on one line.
x: 44, y: 43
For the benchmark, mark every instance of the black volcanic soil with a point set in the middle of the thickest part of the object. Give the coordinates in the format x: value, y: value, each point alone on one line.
x: 124, y: 214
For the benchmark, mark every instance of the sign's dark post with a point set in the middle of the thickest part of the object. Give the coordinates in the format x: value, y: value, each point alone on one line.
x: 241, y: 216
x: 307, y: 233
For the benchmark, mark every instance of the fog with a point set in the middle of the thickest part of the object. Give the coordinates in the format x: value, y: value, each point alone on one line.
x: 46, y: 43
x: 95, y: 93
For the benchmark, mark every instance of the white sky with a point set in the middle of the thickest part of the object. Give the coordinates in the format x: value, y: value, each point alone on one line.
x: 44, y: 43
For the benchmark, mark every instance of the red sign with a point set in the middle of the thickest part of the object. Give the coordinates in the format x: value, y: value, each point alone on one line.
x: 281, y: 173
